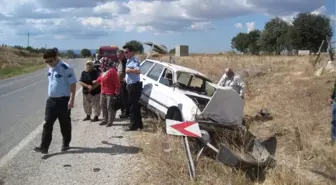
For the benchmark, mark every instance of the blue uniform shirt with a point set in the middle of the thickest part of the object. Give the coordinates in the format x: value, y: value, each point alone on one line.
x: 132, y: 78
x: 60, y: 78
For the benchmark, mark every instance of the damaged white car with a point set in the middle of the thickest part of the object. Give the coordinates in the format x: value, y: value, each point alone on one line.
x: 179, y: 93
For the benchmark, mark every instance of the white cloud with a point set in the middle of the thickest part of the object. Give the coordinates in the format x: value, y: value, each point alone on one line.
x: 250, y: 26
x: 319, y: 11
x: 239, y: 25
x: 333, y: 17
x: 94, y: 18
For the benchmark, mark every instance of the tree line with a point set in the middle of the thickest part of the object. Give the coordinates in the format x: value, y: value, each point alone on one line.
x: 85, y: 52
x: 306, y: 32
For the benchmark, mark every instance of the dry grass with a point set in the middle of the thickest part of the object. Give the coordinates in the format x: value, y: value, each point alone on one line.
x: 15, y: 62
x: 296, y: 99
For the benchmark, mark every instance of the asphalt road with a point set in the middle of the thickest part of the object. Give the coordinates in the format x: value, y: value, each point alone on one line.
x: 22, y: 103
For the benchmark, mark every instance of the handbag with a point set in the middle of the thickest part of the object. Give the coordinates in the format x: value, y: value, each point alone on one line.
x: 116, y: 102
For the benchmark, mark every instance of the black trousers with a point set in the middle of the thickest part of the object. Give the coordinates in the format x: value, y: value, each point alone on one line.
x: 124, y: 99
x: 56, y: 108
x: 134, y: 94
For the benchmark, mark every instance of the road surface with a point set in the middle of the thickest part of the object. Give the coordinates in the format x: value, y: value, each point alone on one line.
x: 99, y: 155
x: 22, y: 101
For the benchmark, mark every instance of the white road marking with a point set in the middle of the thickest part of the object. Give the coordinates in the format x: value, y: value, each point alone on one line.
x: 9, y: 83
x: 20, y: 89
x: 14, y: 151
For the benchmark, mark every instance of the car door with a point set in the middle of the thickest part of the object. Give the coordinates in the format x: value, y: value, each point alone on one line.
x: 145, y: 66
x: 167, y: 93
x: 151, y: 91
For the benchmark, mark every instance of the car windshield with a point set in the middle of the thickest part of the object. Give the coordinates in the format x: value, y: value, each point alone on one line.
x: 194, y: 83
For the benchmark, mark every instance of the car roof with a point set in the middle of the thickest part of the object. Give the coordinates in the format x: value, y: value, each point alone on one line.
x: 177, y: 68
x: 108, y: 47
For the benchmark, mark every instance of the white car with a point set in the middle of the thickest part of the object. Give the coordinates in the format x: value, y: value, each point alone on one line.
x: 179, y: 93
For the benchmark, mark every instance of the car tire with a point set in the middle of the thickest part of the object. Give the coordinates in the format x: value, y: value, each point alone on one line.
x: 173, y: 113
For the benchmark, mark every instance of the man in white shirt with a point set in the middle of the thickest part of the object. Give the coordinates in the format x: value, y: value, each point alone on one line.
x: 230, y: 79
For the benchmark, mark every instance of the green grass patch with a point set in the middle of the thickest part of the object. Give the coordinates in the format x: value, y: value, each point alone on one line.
x: 10, y: 71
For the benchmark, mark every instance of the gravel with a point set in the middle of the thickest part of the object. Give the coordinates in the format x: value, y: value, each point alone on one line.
x: 99, y: 155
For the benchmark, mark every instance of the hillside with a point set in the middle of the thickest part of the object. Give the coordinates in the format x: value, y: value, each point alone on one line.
x: 296, y: 99
x: 18, y: 61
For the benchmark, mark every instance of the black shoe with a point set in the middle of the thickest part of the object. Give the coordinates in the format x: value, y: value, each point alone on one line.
x: 41, y: 150
x: 102, y: 123
x: 109, y: 125
x: 65, y: 148
x: 123, y: 116
x: 87, y: 118
x: 95, y: 119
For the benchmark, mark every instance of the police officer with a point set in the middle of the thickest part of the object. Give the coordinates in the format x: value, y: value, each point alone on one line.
x: 61, y: 92
x: 134, y: 88
x: 123, y: 91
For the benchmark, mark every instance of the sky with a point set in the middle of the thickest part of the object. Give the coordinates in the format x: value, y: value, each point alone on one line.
x: 207, y: 26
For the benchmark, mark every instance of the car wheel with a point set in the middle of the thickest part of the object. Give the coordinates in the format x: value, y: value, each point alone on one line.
x: 173, y: 113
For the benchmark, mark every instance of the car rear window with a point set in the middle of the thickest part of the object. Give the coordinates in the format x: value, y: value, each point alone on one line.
x: 145, y: 66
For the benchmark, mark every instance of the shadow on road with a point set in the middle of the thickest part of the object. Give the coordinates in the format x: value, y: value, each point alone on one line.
x: 113, y: 150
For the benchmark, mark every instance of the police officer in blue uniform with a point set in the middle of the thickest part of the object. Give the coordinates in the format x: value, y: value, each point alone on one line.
x: 134, y: 88
x: 61, y: 92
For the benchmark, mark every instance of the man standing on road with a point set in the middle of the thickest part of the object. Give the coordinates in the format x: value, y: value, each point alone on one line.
x: 61, y: 92
x: 91, y: 98
x: 230, y: 79
x: 123, y: 90
x: 134, y: 88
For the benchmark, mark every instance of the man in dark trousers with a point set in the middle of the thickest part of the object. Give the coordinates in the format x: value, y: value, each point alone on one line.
x: 134, y: 88
x: 61, y: 92
x: 123, y: 90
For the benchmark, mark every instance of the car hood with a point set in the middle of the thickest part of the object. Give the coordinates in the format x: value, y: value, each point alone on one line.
x: 225, y: 107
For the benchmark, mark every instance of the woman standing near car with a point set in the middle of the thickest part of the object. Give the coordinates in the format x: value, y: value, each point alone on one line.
x: 110, y: 88
x: 91, y: 98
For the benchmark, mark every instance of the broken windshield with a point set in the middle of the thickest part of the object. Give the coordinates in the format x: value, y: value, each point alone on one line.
x: 194, y: 83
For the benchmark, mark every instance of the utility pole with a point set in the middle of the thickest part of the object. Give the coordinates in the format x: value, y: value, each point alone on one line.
x: 28, y: 41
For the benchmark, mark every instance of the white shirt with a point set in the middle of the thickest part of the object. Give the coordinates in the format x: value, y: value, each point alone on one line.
x: 235, y: 83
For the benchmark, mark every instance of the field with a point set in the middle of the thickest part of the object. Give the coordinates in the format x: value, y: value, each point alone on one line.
x: 16, y: 62
x: 296, y: 99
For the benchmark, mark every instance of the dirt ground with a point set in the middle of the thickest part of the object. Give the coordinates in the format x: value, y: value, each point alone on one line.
x: 297, y: 100
x: 15, y: 62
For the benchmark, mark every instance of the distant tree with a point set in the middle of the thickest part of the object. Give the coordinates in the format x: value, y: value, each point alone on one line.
x: 240, y: 42
x: 253, y: 42
x: 85, y: 52
x: 138, y: 47
x: 70, y: 54
x: 309, y: 30
x: 172, y: 51
x: 274, y: 38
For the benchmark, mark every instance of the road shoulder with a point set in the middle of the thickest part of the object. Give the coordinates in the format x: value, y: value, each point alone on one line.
x: 99, y: 155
